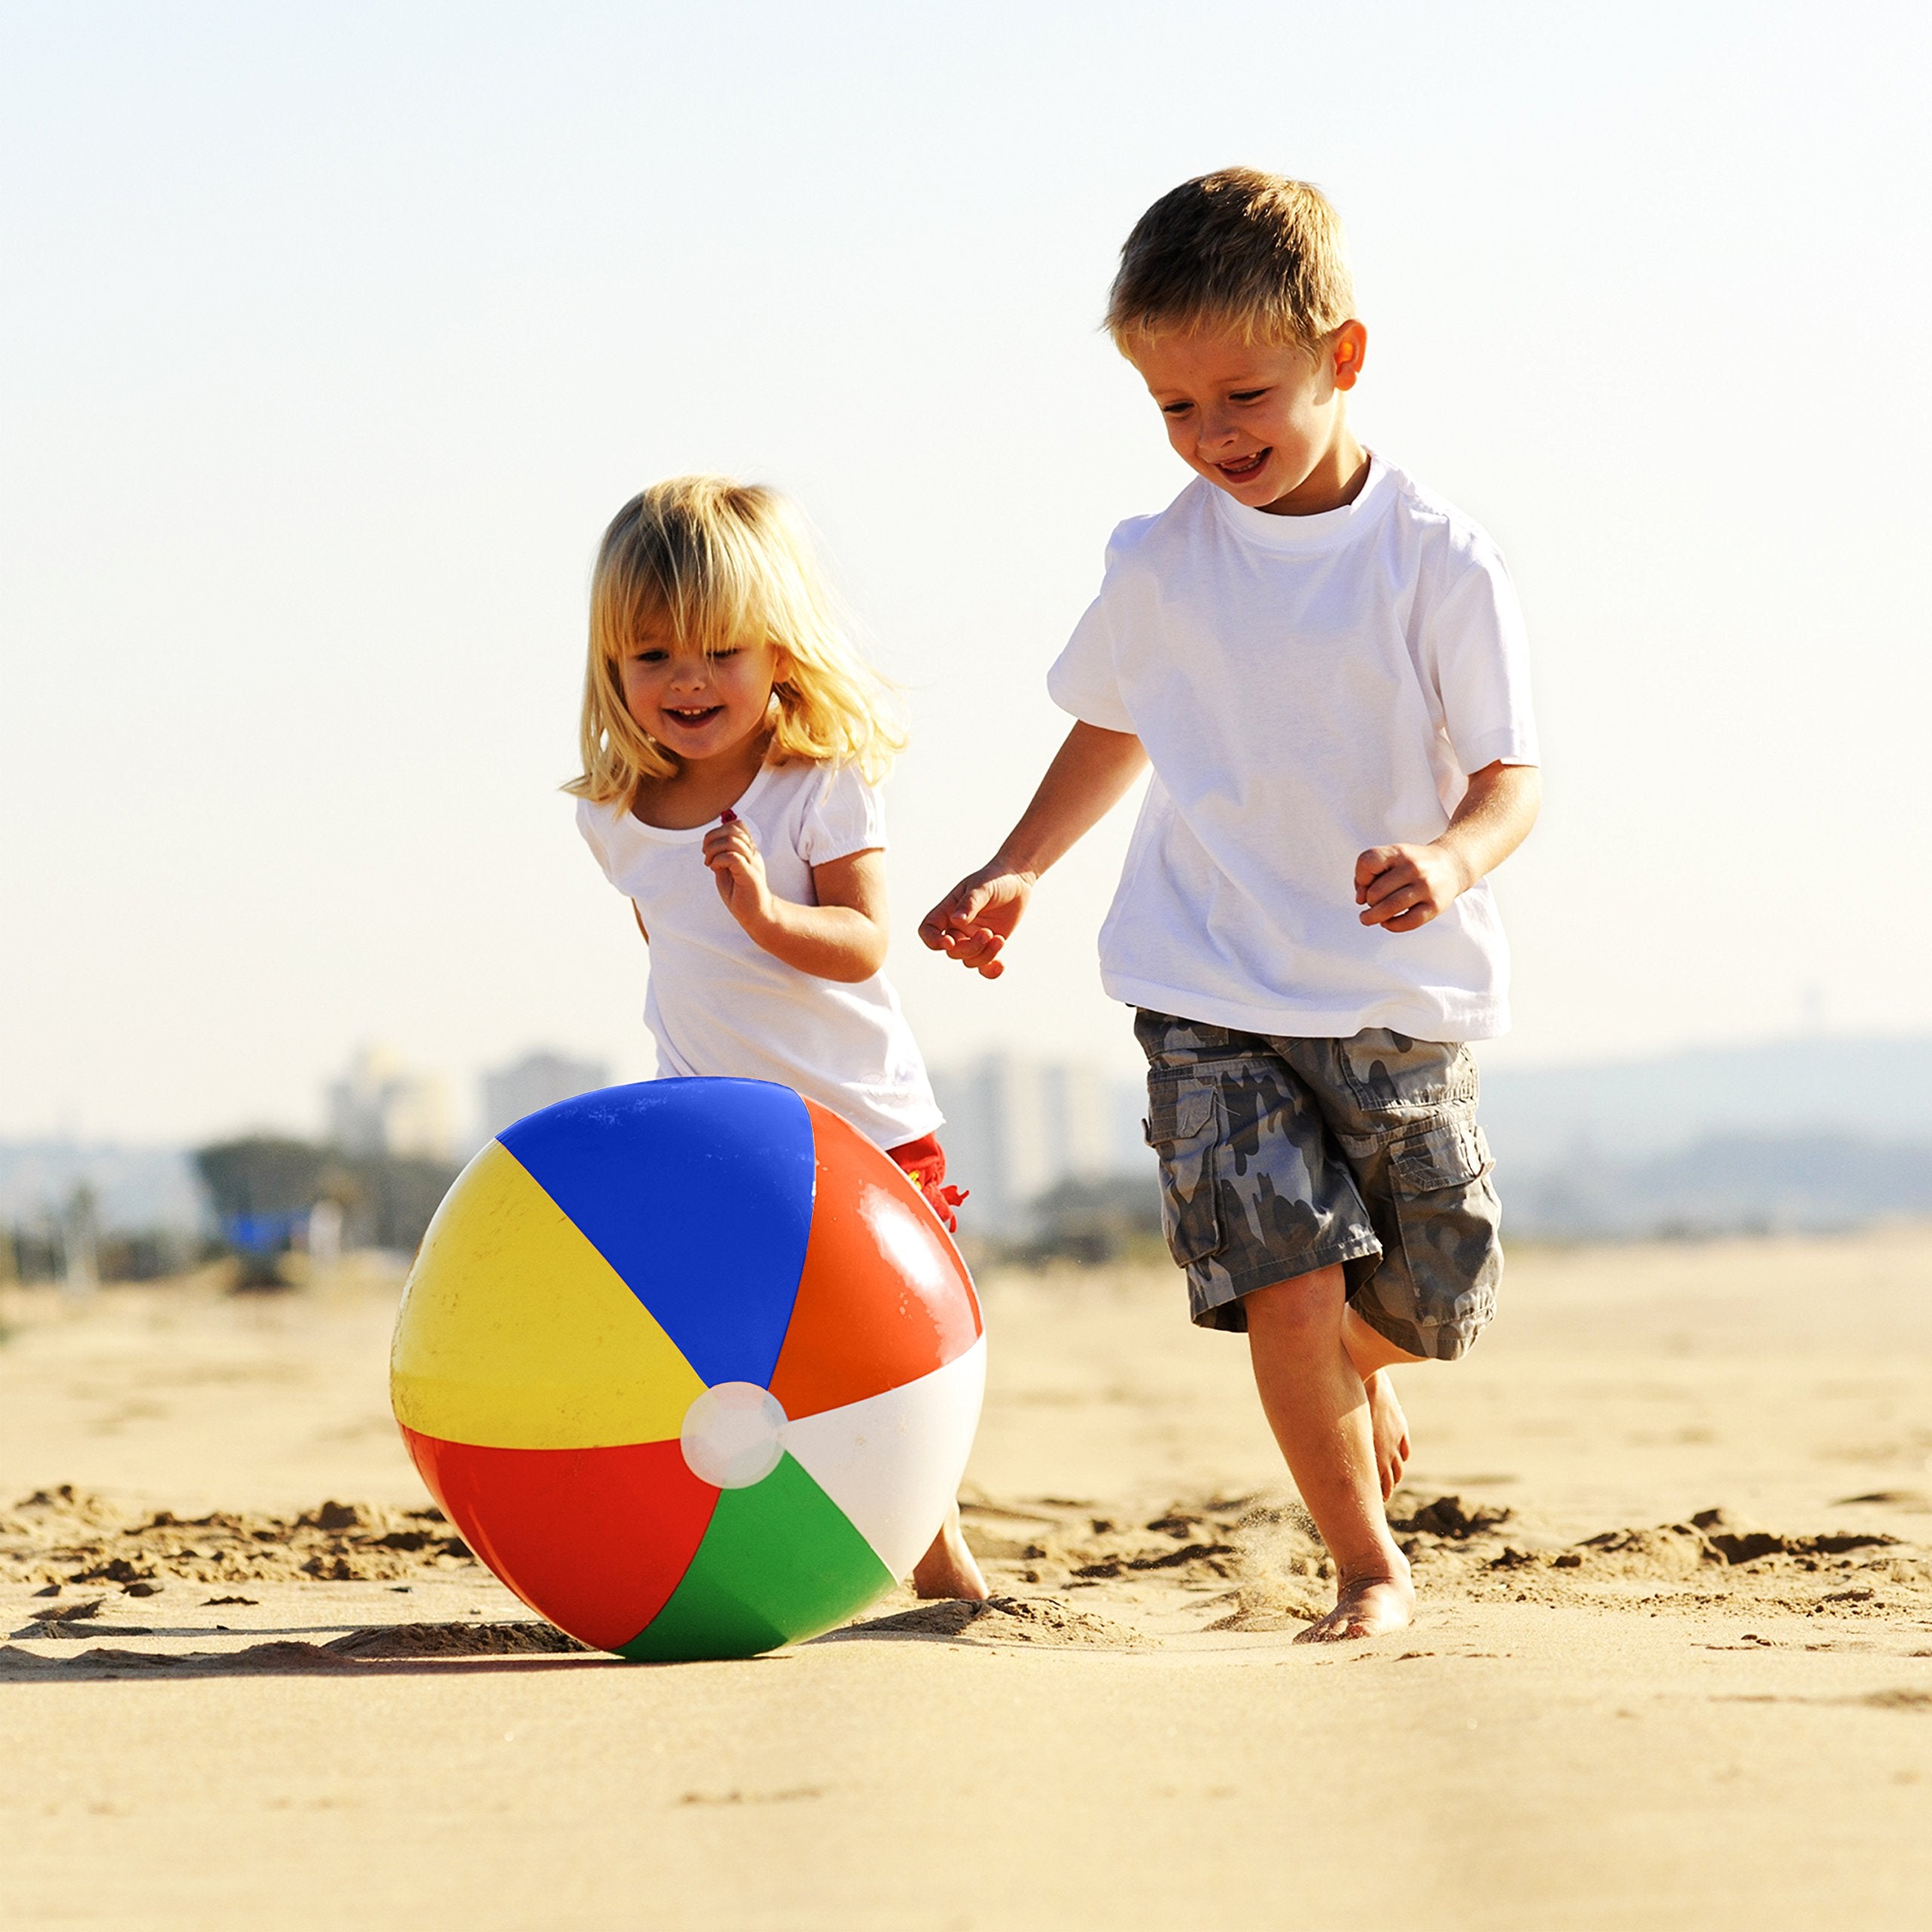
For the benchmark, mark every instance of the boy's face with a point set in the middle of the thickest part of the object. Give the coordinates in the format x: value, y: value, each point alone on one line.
x: 1262, y: 421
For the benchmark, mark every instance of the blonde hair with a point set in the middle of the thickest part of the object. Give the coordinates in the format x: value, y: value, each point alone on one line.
x: 1236, y: 249
x: 702, y: 561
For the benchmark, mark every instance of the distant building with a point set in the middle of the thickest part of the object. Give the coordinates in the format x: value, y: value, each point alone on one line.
x: 1016, y: 1127
x: 79, y: 1231
x: 380, y: 1107
x: 537, y: 1080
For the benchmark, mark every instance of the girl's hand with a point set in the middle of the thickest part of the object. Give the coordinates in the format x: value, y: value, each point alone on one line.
x: 841, y: 938
x: 738, y: 866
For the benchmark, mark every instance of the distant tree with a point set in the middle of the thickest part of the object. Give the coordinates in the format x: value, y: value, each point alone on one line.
x: 261, y: 1175
x: 399, y: 1194
x: 1095, y: 1221
x: 263, y: 1186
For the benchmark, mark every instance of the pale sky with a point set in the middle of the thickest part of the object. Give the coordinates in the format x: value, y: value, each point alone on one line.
x: 332, y: 336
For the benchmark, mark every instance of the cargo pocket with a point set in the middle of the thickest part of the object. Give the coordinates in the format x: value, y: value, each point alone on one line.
x: 1388, y: 1072
x: 1446, y: 1155
x: 1447, y: 1220
x: 1183, y: 1116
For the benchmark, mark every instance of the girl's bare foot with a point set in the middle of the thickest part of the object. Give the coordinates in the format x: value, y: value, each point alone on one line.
x: 1364, y: 1607
x: 947, y: 1569
x: 1391, y: 1430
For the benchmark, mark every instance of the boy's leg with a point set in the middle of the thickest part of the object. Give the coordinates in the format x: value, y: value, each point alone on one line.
x: 1403, y: 1113
x: 1373, y: 1355
x: 1263, y: 1215
x: 1317, y: 1405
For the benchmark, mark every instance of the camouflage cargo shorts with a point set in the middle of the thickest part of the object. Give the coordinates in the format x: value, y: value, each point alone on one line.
x: 1279, y: 1156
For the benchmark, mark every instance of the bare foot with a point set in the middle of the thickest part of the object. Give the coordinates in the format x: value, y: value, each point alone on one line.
x: 1365, y: 1607
x: 1391, y: 1429
x: 947, y: 1569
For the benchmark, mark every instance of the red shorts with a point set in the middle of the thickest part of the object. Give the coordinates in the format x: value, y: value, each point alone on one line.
x: 923, y: 1162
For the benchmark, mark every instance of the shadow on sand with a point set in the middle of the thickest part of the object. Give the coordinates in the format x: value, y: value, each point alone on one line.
x: 385, y: 1650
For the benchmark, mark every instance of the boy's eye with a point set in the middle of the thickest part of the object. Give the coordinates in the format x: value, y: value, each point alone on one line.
x: 1175, y: 408
x: 1246, y: 396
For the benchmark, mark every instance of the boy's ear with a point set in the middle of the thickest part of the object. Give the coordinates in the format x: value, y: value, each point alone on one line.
x: 1348, y: 349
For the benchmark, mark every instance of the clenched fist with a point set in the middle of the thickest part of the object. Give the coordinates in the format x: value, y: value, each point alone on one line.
x: 1403, y: 887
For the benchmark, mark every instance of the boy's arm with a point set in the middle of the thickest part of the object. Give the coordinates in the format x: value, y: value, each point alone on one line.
x: 1090, y: 774
x: 1403, y: 887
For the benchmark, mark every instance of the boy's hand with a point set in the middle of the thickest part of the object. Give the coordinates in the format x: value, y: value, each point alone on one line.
x: 977, y: 917
x: 738, y: 866
x: 1403, y: 887
x: 1090, y: 774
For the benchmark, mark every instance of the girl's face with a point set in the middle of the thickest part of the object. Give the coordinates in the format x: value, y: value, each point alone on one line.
x: 699, y: 706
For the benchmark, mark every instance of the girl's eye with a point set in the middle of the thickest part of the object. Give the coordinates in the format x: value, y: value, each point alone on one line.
x: 729, y: 651
x: 649, y: 656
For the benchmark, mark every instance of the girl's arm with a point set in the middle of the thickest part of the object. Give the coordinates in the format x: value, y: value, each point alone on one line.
x: 842, y: 937
x: 1089, y: 776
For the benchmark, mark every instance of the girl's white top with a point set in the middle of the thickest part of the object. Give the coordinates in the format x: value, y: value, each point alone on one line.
x: 718, y: 1005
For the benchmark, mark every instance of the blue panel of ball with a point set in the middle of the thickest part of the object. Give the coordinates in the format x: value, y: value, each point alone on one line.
x: 706, y: 1222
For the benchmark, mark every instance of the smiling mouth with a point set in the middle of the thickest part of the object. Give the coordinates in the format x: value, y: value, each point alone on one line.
x: 1245, y: 466
x: 690, y: 716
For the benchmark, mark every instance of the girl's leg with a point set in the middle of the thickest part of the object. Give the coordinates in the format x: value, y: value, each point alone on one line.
x: 1316, y: 1403
x: 947, y: 1569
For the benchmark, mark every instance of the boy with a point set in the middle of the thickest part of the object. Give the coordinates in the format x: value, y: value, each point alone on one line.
x: 1325, y: 666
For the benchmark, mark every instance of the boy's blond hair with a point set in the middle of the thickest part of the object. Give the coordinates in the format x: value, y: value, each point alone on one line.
x: 705, y: 561
x: 1236, y: 249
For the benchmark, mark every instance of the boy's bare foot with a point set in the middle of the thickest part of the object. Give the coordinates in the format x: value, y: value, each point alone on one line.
x: 1364, y: 1607
x: 1391, y: 1429
x: 947, y: 1569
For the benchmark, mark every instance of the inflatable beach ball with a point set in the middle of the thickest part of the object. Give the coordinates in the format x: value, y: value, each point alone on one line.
x: 690, y: 1366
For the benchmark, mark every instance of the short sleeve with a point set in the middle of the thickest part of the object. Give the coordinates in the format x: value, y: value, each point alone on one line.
x: 587, y: 818
x: 1083, y: 680
x: 844, y: 816
x: 1477, y: 651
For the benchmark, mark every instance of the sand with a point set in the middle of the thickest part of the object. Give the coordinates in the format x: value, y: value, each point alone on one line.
x: 1672, y: 1524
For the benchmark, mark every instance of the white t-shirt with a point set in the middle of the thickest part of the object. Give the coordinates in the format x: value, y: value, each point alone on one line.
x: 720, y: 1005
x: 1306, y: 686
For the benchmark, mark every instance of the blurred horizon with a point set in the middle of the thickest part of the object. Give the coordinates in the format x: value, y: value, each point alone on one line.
x: 1802, y: 1134
x: 333, y: 338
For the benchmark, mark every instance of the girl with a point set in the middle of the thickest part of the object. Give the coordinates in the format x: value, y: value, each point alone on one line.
x: 732, y: 741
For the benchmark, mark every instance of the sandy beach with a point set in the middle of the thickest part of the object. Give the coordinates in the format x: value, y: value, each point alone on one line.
x: 1672, y: 1523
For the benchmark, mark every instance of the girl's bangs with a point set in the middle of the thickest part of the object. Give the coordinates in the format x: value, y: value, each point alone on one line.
x: 708, y: 611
